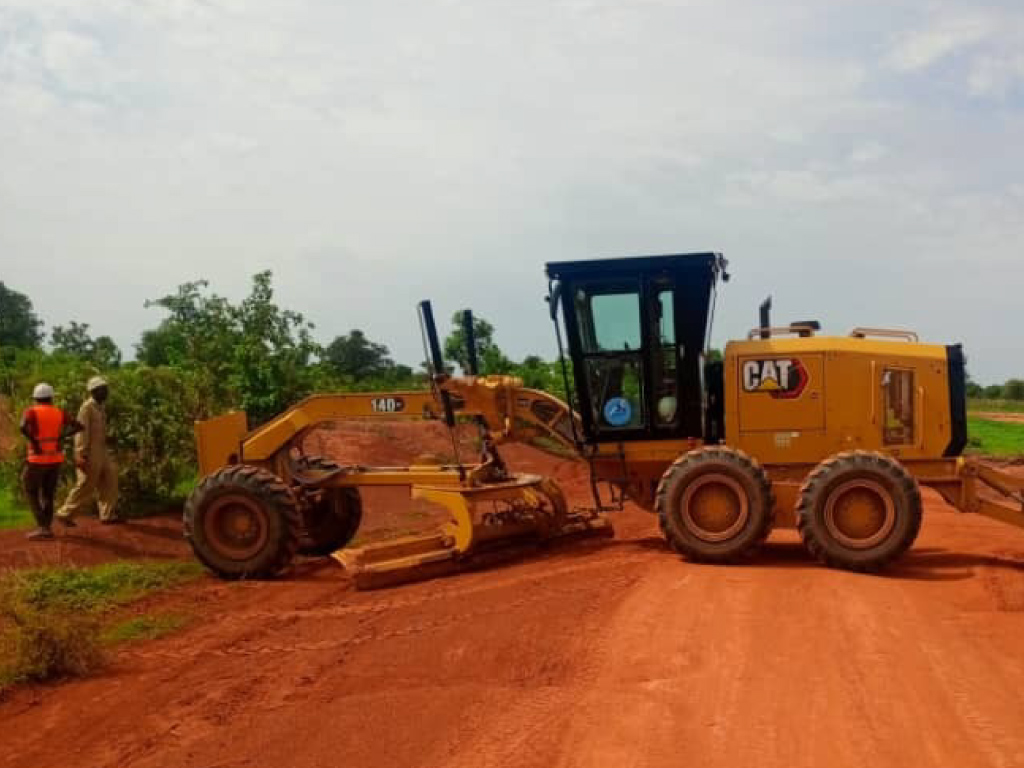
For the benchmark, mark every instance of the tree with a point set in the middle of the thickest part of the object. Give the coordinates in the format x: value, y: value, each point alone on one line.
x: 971, y: 387
x: 490, y: 358
x: 254, y: 355
x: 537, y: 373
x: 356, y: 356
x: 993, y: 392
x: 75, y: 340
x: 1014, y: 389
x: 200, y: 329
x: 19, y: 325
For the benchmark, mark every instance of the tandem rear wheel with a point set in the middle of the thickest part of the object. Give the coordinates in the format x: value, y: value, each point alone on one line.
x: 859, y: 510
x: 715, y: 505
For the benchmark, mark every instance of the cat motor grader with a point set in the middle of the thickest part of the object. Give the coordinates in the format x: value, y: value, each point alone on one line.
x: 832, y: 435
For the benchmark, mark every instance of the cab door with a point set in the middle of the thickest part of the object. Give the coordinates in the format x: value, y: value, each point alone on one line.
x: 607, y: 323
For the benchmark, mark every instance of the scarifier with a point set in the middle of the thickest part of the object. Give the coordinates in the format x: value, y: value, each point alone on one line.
x: 831, y: 435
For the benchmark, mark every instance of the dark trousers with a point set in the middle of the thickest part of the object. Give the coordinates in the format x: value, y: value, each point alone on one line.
x: 40, y: 483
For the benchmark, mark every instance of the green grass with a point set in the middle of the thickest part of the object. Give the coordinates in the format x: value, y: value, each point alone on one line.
x: 97, y: 588
x: 146, y: 627
x: 995, y: 406
x: 994, y: 438
x: 56, y: 622
x: 13, y: 514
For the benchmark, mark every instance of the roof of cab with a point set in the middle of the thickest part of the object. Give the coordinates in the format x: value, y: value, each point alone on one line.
x: 632, y: 264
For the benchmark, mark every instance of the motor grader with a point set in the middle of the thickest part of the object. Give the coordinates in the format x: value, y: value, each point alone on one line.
x: 832, y: 435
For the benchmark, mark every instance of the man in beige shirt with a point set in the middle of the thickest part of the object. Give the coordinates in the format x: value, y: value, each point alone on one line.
x: 97, y: 473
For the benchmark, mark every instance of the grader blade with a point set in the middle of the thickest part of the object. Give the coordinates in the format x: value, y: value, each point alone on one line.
x: 487, y: 523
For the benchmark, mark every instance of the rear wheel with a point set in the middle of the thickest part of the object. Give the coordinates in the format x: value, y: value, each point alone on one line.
x: 242, y: 521
x: 859, y: 510
x: 715, y: 504
x: 332, y: 522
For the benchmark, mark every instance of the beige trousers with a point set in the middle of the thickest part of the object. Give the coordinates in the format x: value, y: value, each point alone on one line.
x: 98, y: 481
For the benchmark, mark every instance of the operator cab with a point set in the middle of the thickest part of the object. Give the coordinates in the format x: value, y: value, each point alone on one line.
x: 636, y: 330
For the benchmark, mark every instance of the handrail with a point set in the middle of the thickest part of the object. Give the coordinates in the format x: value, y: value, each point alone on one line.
x: 873, y: 392
x: 803, y: 330
x: 919, y: 417
x: 892, y: 333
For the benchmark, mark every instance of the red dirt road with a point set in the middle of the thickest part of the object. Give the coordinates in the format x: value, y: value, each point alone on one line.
x: 1010, y: 418
x: 613, y: 653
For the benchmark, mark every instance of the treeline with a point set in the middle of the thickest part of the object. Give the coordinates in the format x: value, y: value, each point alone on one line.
x: 1013, y: 389
x: 205, y: 356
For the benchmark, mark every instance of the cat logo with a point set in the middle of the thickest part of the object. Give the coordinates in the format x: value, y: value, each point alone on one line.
x: 781, y: 378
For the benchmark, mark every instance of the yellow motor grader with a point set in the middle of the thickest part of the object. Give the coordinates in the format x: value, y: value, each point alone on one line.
x: 831, y: 435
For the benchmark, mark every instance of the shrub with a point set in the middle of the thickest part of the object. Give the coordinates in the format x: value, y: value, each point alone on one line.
x: 150, y: 416
x: 52, y: 618
x: 45, y: 643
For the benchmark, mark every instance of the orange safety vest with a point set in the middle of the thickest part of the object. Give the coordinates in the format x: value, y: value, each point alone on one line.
x: 49, y: 420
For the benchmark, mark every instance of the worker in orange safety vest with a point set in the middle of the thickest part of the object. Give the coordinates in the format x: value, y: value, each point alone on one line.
x: 44, y: 426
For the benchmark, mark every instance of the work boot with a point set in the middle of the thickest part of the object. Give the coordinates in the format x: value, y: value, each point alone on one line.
x: 39, y: 534
x: 67, y: 522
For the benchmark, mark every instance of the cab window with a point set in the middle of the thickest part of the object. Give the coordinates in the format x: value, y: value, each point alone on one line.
x: 609, y: 317
x: 609, y: 320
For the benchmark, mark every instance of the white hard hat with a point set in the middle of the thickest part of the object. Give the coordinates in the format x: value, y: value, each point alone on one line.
x: 43, y: 391
x: 667, y: 408
x: 95, y: 383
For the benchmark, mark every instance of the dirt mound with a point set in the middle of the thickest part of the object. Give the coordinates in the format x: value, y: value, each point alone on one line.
x: 390, y: 443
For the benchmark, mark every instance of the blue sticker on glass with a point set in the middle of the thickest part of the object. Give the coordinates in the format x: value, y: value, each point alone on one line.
x: 618, y: 411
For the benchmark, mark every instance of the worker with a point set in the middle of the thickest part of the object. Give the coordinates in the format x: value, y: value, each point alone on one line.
x: 97, y: 473
x: 44, y: 427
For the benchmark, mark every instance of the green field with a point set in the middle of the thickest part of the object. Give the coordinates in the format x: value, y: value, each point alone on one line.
x: 994, y: 406
x: 994, y: 438
x: 13, y: 512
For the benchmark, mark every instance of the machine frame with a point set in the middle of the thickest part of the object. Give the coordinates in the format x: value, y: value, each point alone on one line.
x: 788, y: 424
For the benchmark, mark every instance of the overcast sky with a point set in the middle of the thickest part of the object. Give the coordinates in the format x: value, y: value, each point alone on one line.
x: 861, y: 160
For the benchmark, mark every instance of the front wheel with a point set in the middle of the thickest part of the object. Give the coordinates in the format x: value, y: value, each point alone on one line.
x: 243, y: 522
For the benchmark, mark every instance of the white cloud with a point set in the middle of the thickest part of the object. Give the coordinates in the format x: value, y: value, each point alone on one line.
x: 987, y: 42
x: 868, y: 153
x: 941, y: 38
x: 996, y: 75
x: 65, y: 54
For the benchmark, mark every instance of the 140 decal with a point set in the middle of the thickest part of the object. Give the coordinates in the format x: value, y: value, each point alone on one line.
x: 387, y: 404
x: 783, y: 379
